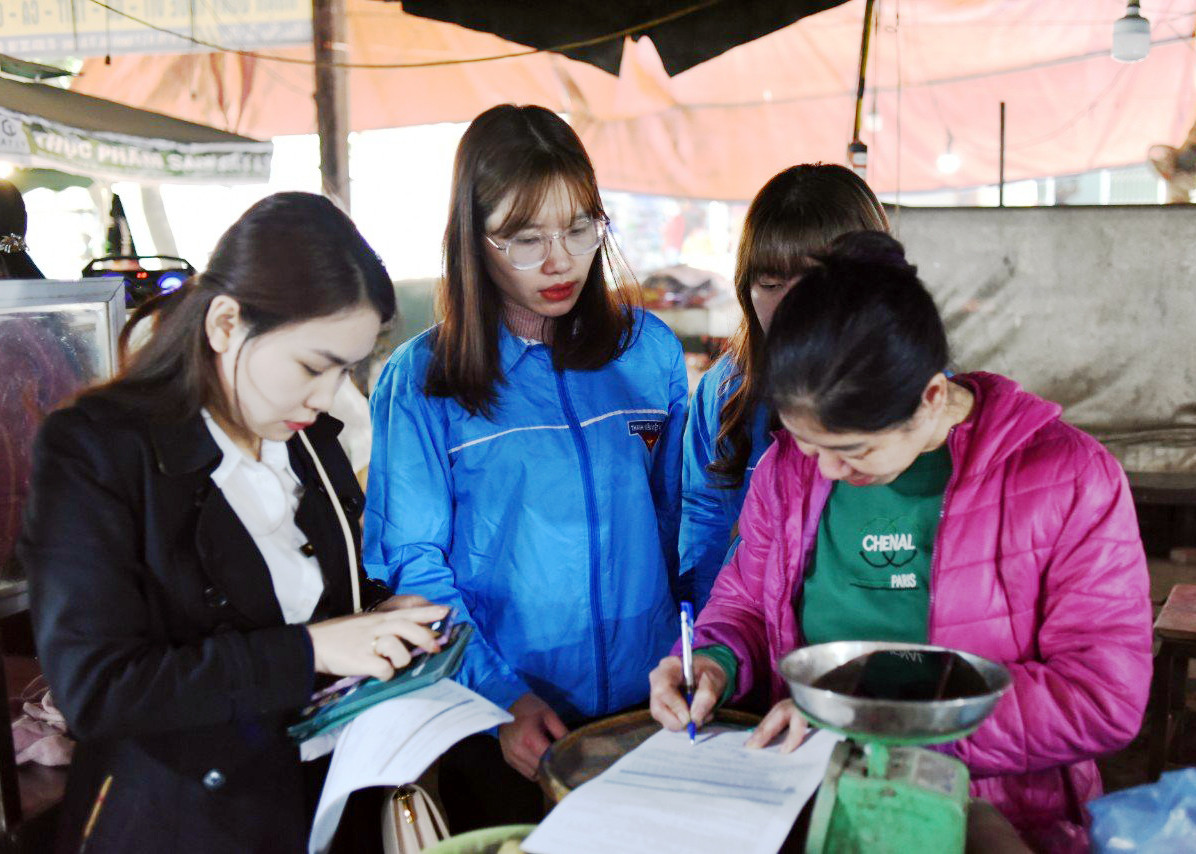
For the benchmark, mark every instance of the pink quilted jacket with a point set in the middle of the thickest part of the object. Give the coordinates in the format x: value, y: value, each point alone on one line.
x: 1037, y: 564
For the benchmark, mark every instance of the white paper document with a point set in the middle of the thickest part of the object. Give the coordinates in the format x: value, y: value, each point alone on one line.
x: 393, y: 742
x: 714, y: 796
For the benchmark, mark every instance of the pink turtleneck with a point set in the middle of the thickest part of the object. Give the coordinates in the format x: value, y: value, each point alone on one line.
x: 525, y: 323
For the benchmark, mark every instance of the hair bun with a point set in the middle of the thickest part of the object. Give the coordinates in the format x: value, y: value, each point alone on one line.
x: 870, y: 247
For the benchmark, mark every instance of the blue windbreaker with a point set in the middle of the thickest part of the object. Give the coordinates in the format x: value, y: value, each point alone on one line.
x: 552, y: 525
x: 708, y: 512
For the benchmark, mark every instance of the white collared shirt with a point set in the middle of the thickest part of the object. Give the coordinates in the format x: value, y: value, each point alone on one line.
x: 265, y: 496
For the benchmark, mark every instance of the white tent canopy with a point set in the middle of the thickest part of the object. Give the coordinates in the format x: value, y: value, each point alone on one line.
x: 45, y: 126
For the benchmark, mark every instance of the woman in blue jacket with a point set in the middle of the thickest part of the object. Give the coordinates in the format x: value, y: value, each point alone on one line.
x: 797, y: 213
x: 527, y: 449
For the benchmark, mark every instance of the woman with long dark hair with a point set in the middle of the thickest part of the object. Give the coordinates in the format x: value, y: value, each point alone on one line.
x: 15, y: 262
x: 797, y: 213
x: 902, y: 505
x: 192, y: 550
x: 526, y: 452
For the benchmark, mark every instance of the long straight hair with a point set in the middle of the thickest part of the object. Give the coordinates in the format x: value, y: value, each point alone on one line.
x: 290, y: 258
x: 14, y: 263
x: 795, y: 215
x: 523, y: 153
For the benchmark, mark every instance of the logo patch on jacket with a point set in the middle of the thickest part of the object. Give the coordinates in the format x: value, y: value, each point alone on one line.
x: 649, y: 431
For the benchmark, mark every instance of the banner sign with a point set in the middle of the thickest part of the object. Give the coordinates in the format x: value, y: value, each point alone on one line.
x: 32, y: 141
x: 52, y: 29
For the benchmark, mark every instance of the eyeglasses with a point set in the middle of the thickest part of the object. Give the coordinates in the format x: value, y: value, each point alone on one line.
x: 531, y: 250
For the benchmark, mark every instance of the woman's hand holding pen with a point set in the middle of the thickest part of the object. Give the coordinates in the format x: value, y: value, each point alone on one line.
x: 375, y: 643
x: 525, y: 739
x: 667, y: 702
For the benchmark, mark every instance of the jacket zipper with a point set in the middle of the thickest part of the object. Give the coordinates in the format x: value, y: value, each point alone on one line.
x: 801, y: 573
x: 934, y: 558
x: 587, y: 477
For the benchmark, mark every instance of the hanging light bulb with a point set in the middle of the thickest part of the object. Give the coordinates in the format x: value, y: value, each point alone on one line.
x: 948, y: 162
x: 1131, y: 35
x: 873, y: 123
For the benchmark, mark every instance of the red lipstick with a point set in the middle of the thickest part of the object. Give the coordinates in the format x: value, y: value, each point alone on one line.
x: 558, y: 293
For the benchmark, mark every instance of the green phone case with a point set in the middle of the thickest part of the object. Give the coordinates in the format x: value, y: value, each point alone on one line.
x: 423, y: 670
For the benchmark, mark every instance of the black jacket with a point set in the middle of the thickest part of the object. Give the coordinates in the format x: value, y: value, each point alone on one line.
x: 161, y: 636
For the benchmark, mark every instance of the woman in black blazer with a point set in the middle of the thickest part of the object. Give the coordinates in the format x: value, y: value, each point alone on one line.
x: 179, y: 635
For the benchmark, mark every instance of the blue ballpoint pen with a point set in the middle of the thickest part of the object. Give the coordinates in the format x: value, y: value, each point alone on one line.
x: 687, y: 661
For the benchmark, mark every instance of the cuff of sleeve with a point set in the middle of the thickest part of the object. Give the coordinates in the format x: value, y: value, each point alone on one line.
x: 502, y: 690
x: 284, y: 665
x: 373, y: 593
x: 685, y: 587
x: 724, y: 658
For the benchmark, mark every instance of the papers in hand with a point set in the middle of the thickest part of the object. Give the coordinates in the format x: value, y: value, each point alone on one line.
x: 392, y: 743
x: 668, y: 795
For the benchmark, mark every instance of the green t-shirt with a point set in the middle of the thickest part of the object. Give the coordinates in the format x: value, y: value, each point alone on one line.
x: 869, y: 577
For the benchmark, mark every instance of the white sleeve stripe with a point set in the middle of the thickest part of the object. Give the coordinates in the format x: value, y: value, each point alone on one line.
x: 585, y: 423
x: 598, y: 418
x: 504, y: 433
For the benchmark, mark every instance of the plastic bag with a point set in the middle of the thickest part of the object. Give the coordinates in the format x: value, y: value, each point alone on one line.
x: 1158, y: 818
x: 40, y: 733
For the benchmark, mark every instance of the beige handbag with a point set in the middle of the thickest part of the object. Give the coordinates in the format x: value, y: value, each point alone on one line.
x: 411, y: 821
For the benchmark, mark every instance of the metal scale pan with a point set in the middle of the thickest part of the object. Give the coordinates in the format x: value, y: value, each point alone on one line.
x: 923, y: 720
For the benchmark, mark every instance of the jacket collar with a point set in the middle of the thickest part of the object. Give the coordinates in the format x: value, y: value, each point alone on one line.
x: 1003, y: 420
x: 184, y: 447
x: 512, y: 348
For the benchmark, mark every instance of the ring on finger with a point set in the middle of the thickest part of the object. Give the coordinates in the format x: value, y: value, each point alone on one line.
x: 374, y: 645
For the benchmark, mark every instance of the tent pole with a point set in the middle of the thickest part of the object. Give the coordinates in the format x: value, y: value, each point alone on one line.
x: 1001, y: 185
x: 859, y: 92
x: 857, y: 151
x: 156, y: 219
x: 332, y: 98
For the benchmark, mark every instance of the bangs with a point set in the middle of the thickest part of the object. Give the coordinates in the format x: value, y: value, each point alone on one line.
x: 783, y: 247
x: 781, y: 235
x: 533, y: 184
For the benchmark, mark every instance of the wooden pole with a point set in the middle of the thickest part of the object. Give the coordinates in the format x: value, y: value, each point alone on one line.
x: 865, y: 40
x: 857, y: 151
x: 332, y: 98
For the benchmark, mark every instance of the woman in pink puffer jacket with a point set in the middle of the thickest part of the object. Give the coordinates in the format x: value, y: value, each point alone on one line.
x: 1034, y: 559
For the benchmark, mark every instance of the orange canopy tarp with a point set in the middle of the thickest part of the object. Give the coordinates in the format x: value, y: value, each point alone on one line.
x: 722, y: 128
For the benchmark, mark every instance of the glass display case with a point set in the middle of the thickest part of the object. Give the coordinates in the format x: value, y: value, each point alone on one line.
x: 56, y: 337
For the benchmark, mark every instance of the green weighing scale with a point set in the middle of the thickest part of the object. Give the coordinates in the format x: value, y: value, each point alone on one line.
x: 882, y: 792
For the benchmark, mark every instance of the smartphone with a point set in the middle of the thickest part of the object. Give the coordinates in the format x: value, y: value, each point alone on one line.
x: 420, y: 660
x: 443, y: 627
x: 332, y: 694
